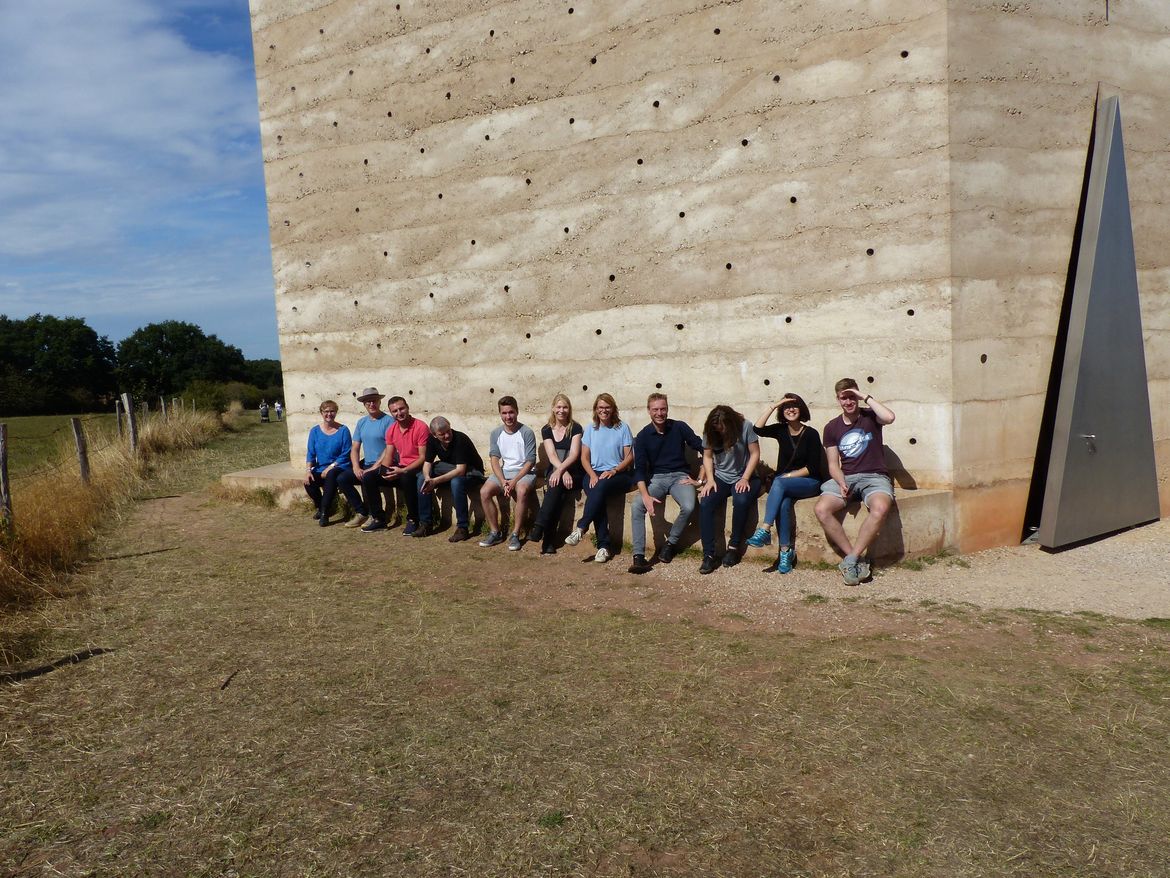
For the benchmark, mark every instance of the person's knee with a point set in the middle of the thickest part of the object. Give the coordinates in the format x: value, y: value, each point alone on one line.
x: 880, y: 506
x: 827, y: 508
x: 638, y: 507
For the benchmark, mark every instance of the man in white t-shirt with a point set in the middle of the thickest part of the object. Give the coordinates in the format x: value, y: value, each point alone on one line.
x: 512, y: 451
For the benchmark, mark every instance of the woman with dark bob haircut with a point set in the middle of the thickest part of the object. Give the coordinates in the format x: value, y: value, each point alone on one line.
x: 731, y: 452
x: 800, y: 469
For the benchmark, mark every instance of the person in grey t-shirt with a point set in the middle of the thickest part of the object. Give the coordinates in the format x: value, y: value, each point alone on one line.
x: 731, y: 452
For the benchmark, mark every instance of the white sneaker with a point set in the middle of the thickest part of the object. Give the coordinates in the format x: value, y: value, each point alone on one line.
x: 602, y: 556
x: 357, y: 521
x: 574, y: 537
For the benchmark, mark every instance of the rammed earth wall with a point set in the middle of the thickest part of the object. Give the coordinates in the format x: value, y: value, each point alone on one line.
x: 726, y: 201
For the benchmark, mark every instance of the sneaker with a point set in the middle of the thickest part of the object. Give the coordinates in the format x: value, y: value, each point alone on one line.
x: 323, y: 521
x: 640, y: 565
x: 537, y: 533
x: 762, y: 537
x: 514, y: 544
x: 731, y: 557
x: 494, y: 538
x: 849, y: 572
x: 786, y: 561
x: 458, y: 536
x: 411, y: 527
x: 666, y: 553
x: 708, y: 565
x: 574, y: 537
x: 863, y: 570
x: 602, y: 555
x: 357, y: 521
x: 372, y: 525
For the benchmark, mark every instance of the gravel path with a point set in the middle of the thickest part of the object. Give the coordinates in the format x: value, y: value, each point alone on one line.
x: 1127, y: 575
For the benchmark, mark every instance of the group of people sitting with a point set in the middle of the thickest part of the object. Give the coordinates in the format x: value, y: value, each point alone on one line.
x: 604, y: 459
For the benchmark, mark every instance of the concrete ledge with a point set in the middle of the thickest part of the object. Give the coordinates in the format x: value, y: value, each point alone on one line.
x: 920, y: 524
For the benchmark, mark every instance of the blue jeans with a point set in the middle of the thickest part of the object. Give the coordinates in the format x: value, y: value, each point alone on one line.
x: 715, y: 502
x: 596, y: 505
x: 781, y: 502
x: 659, y: 486
x: 458, y: 487
x: 323, y: 489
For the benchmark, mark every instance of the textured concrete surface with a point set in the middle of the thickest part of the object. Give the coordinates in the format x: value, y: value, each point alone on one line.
x: 724, y: 202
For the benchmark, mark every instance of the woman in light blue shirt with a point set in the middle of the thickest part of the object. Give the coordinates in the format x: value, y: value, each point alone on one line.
x: 607, y: 456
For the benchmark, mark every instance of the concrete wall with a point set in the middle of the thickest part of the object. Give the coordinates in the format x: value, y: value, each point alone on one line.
x: 1023, y: 87
x: 893, y: 185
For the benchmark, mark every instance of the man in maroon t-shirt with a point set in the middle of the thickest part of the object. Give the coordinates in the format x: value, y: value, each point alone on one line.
x: 857, y: 471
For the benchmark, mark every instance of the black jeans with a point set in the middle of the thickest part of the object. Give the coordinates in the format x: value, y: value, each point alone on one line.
x: 322, y: 490
x: 596, y: 510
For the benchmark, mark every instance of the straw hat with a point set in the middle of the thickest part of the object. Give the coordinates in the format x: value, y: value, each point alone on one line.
x: 371, y: 393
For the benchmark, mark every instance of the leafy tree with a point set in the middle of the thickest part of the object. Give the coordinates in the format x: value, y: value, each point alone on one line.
x: 163, y: 358
x: 53, y: 365
x: 264, y: 373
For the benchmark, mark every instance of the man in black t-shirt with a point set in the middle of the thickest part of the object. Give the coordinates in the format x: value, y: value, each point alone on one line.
x: 857, y: 470
x: 451, y: 459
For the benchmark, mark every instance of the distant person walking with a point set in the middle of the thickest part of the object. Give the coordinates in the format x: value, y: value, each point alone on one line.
x: 279, y: 411
x: 263, y: 412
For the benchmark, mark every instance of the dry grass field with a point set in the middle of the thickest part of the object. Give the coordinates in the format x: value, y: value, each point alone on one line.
x: 282, y: 699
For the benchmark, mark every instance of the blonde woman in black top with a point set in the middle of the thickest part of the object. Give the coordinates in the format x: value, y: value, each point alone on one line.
x: 800, y: 470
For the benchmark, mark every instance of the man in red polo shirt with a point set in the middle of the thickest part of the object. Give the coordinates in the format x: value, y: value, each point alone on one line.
x: 406, y: 448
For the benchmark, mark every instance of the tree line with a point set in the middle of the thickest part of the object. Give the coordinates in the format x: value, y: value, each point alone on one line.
x: 60, y: 365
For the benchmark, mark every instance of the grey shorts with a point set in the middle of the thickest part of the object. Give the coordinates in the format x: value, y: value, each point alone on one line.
x: 528, y: 480
x: 863, y: 485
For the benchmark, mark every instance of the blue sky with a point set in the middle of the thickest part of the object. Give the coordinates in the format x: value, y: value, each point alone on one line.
x: 131, y: 181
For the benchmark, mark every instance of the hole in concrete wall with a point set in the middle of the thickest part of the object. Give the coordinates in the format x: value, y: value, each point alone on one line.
x: 571, y: 120
x: 432, y: 295
x: 658, y: 386
x: 528, y: 335
x: 292, y: 88
x: 792, y: 199
x: 682, y: 213
x: 788, y: 319
x: 308, y: 264
x: 639, y: 161
x: 428, y: 50
x: 321, y: 30
x: 294, y: 309
x: 491, y: 390
x: 656, y: 105
x: 355, y: 304
x: 597, y: 332
x: 566, y: 230
x: 869, y: 251
x: 279, y: 138
x: 365, y: 161
x: 767, y: 381
x: 905, y: 54
x: 272, y: 45
x: 410, y: 393
x: 869, y: 379
x: 440, y: 196
x: 378, y: 345
x: 776, y: 78
x: 301, y: 174
x: 465, y: 341
x: 512, y: 81
x: 385, y: 252
x: 593, y: 60
x: 389, y: 114
x: 909, y: 312
x: 743, y: 142
x: 473, y: 242
x: 527, y: 181
x: 612, y: 278
x: 314, y: 350
x: 491, y: 33
x: 448, y: 95
x: 422, y: 149
x: 355, y: 394
x: 983, y: 358
x: 351, y: 73
x: 913, y: 441
x: 302, y: 396
x: 728, y: 266
x: 487, y: 137
x: 716, y: 31
x: 584, y: 386
x: 334, y: 124
x: 570, y: 10
x: 680, y: 326
x: 357, y: 210
x: 286, y: 222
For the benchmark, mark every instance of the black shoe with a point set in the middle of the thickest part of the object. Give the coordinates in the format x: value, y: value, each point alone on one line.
x: 640, y: 565
x: 423, y: 530
x: 323, y: 521
x: 537, y: 533
x: 708, y: 565
x: 666, y: 553
x: 731, y: 558
x: 316, y: 515
x: 548, y: 550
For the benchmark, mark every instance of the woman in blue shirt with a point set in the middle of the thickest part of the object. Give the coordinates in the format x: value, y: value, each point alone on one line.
x: 326, y: 458
x: 607, y: 454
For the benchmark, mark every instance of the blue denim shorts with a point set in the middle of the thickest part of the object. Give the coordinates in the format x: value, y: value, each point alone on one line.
x: 861, y: 485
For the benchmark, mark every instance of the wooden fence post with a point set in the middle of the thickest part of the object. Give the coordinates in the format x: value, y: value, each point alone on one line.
x: 162, y: 407
x: 82, y: 451
x: 128, y: 404
x: 118, y: 416
x: 5, y: 492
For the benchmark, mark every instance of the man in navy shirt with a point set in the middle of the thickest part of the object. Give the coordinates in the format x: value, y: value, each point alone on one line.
x: 661, y: 468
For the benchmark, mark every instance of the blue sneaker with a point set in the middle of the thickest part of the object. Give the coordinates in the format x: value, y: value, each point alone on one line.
x: 494, y: 538
x: 411, y: 527
x: 786, y: 561
x: 762, y: 537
